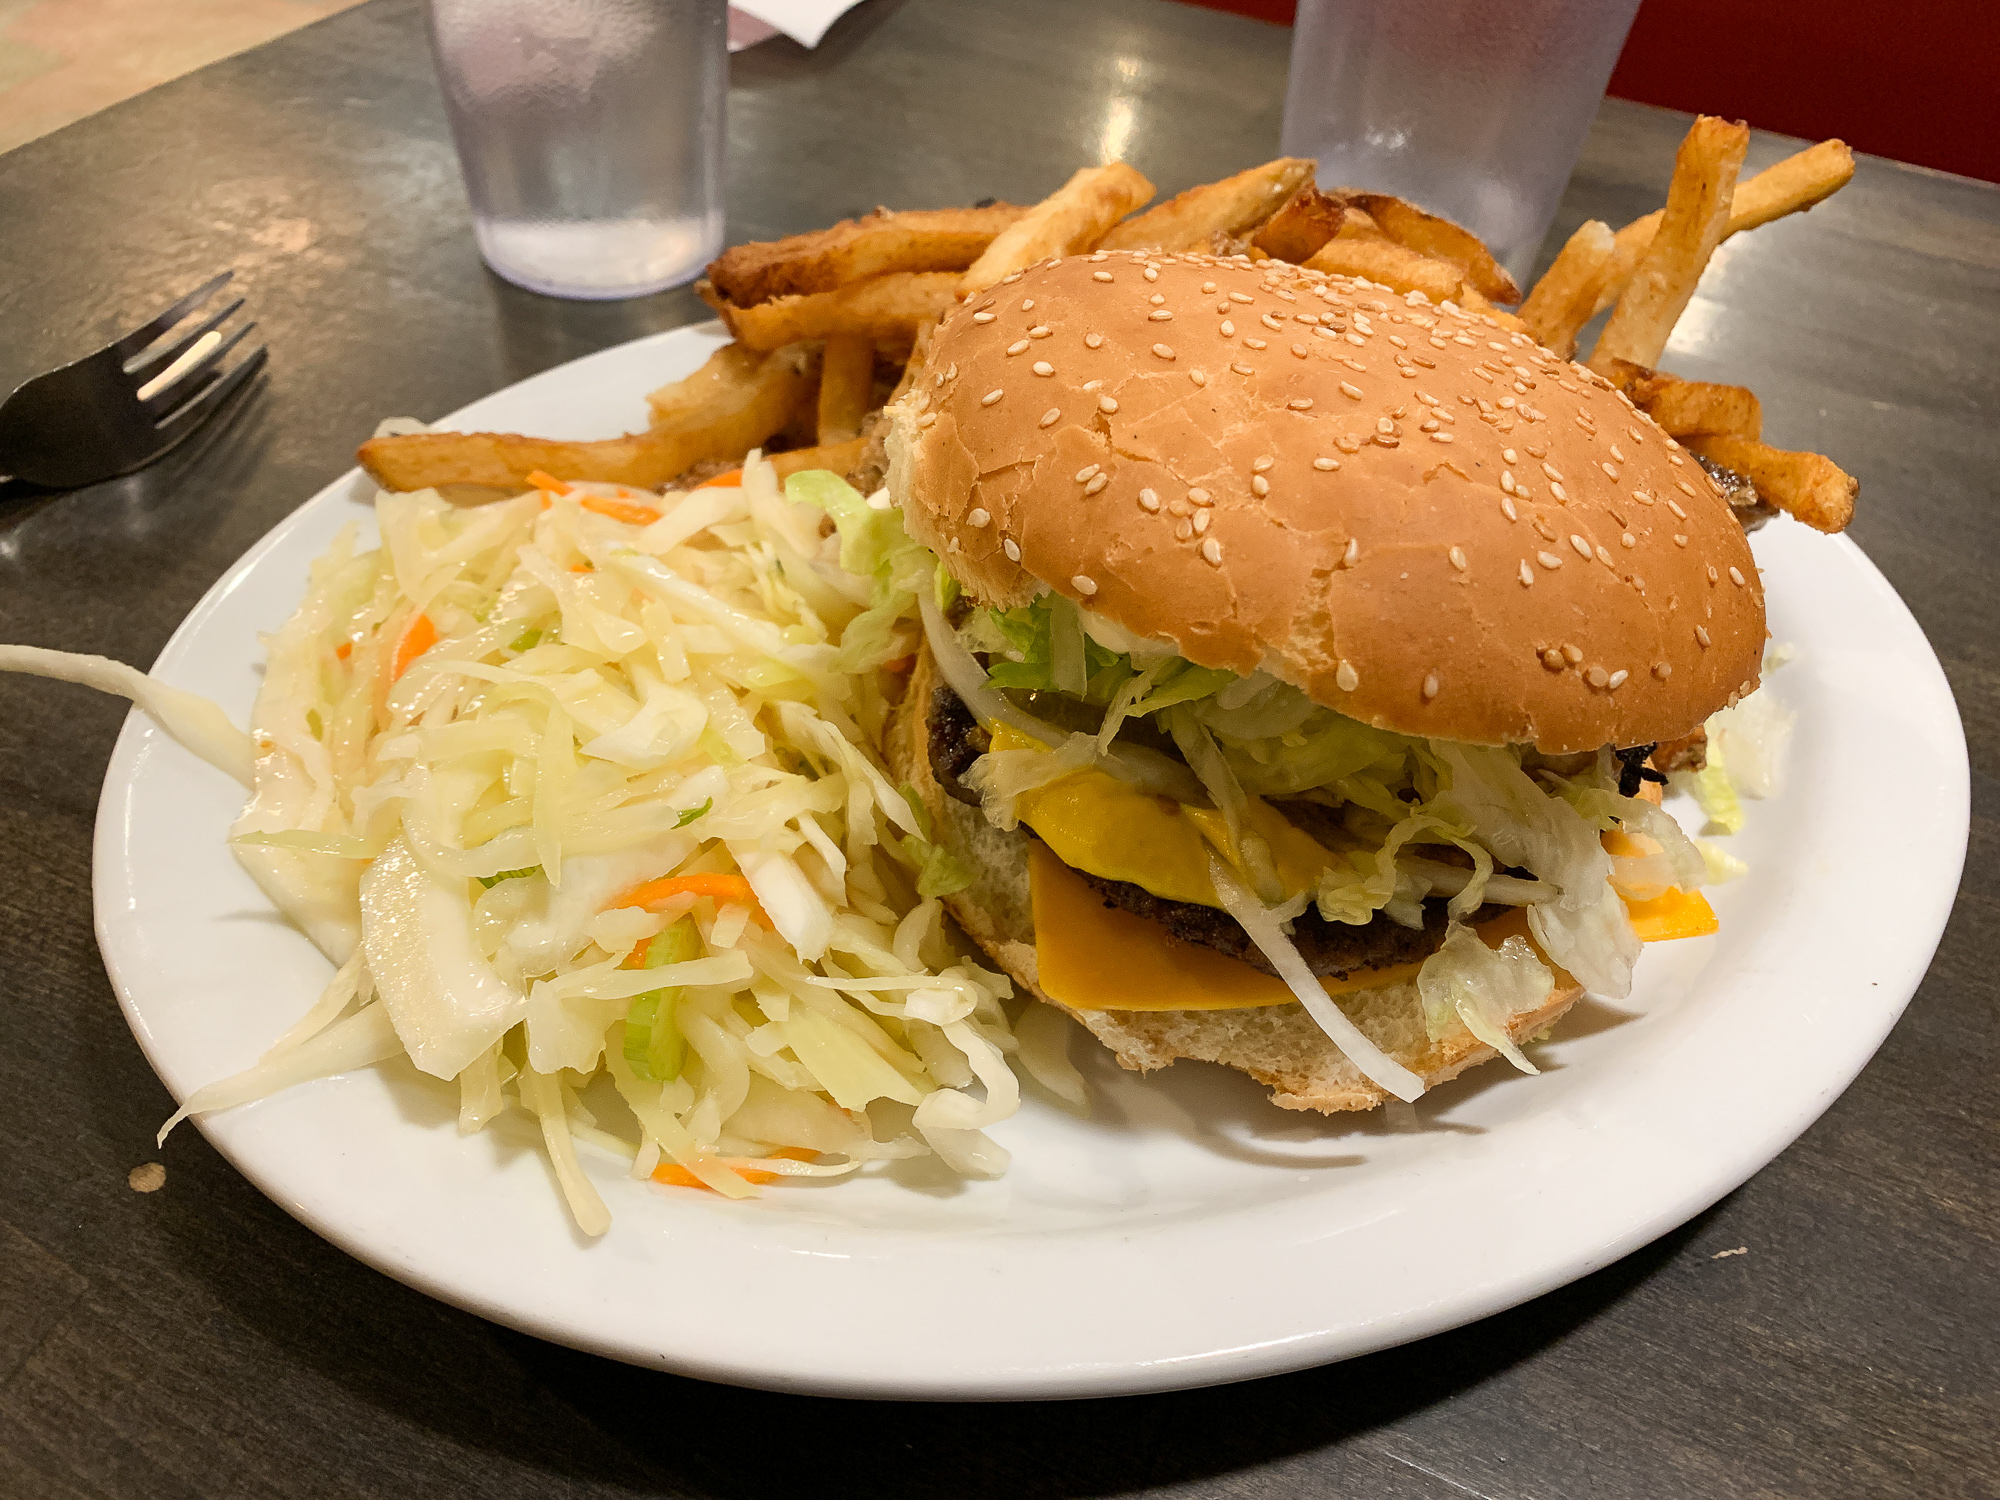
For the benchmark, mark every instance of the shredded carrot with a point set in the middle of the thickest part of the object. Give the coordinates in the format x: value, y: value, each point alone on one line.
x: 620, y: 510
x: 418, y: 637
x: 673, y: 1174
x: 900, y: 665
x: 722, y: 481
x: 547, y: 483
x: 344, y: 650
x: 721, y: 887
x: 583, y: 567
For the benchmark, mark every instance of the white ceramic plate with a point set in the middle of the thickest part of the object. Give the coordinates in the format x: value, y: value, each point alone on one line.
x: 1188, y: 1233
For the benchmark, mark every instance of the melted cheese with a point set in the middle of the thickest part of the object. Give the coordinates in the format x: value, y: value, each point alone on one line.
x: 1677, y: 914
x: 1096, y: 822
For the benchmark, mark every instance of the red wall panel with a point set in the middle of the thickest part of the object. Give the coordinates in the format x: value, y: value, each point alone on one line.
x: 1918, y: 80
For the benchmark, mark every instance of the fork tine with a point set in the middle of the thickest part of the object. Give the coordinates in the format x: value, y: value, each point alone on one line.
x: 198, y: 410
x: 139, y: 338
x: 143, y: 369
x: 195, y: 379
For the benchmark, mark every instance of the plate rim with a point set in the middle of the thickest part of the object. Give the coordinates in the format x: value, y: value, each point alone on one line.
x: 113, y: 879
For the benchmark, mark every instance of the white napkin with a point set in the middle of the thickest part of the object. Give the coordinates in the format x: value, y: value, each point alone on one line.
x: 804, y: 21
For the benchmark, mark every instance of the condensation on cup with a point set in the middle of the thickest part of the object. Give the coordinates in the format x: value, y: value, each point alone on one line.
x: 1471, y: 110
x: 590, y: 135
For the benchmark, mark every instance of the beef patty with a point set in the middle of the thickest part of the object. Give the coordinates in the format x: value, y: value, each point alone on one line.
x: 1334, y: 949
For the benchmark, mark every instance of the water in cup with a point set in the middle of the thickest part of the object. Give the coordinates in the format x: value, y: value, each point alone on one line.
x: 590, y: 136
x: 1467, y: 109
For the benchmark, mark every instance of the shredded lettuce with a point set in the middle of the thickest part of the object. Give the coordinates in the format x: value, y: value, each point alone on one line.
x: 1484, y: 988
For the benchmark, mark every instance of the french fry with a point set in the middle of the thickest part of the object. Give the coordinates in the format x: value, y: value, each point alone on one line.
x: 1566, y: 297
x: 1427, y: 234
x: 746, y: 394
x: 846, y: 382
x: 1229, y: 207
x: 1308, y: 220
x: 1391, y: 265
x: 944, y: 239
x: 1358, y: 224
x: 1695, y: 408
x: 504, y: 460
x: 1808, y: 486
x: 1791, y: 186
x: 1470, y: 299
x: 1074, y: 217
x: 839, y: 457
x: 735, y: 401
x: 1692, y: 225
x: 893, y: 306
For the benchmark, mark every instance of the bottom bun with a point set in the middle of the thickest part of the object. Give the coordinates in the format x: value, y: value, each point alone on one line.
x: 1278, y: 1045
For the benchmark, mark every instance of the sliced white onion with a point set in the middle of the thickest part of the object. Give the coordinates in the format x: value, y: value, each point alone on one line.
x: 1378, y: 1066
x: 963, y: 672
x: 192, y: 721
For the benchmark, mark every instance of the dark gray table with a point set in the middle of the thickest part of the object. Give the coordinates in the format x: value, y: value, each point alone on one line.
x: 200, y: 1342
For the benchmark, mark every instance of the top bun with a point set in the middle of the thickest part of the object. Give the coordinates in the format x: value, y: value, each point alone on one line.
x: 1425, y: 521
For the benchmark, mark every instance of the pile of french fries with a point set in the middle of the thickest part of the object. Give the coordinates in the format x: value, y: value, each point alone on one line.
x: 828, y: 327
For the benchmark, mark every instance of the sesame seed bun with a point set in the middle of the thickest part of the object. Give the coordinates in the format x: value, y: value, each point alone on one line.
x: 1423, y: 520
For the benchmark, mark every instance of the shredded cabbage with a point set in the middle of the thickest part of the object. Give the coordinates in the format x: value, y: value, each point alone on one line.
x: 616, y: 811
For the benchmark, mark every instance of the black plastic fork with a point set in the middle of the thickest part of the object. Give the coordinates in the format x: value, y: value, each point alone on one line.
x: 109, y: 413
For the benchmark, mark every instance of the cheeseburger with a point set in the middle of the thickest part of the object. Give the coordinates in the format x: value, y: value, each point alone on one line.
x: 1298, y: 659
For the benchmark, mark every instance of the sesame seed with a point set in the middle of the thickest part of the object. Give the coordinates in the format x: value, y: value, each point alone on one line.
x: 1674, y: 506
x: 1507, y: 508
x: 1100, y: 275
x: 1572, y: 655
x: 1582, y: 547
x: 1617, y: 679
x: 977, y: 517
x: 1228, y: 329
x: 1548, y: 559
x: 1430, y: 688
x: 1528, y: 573
x: 1701, y: 634
x: 1509, y: 456
x: 1552, y: 659
x: 1012, y: 548
x: 1201, y: 520
x: 1604, y: 556
x: 1597, y: 677
x: 1617, y: 454
x: 1238, y: 297
x: 1552, y: 471
x: 1345, y: 677
x: 1635, y: 434
x: 1736, y: 577
x: 1149, y: 500
x: 927, y: 419
x: 1713, y: 576
x: 1299, y: 350
x: 1199, y: 496
x: 1383, y: 424
x: 1441, y: 437
x: 1351, y: 391
x: 1152, y: 273
x: 1629, y: 540
x: 1040, y: 331
x: 1092, y: 340
x: 1208, y: 288
x: 1457, y: 556
x: 1084, y: 474
x: 1356, y: 340
x: 1183, y: 531
x: 1051, y: 416
x: 1507, y: 481
x: 1027, y: 304
x: 1679, y: 540
x: 1663, y: 670
x: 1083, y: 583
x: 1211, y: 552
x: 1300, y: 403
x: 1256, y: 344
x: 1561, y: 494
x: 1684, y: 487
x: 982, y: 317
x: 1160, y: 315
x: 1259, y: 486
x: 1097, y: 484
x: 1352, y: 553
x: 1262, y: 464
x: 1243, y: 369
x: 1043, y: 367
x: 1163, y: 351
x: 991, y: 396
x: 1107, y: 405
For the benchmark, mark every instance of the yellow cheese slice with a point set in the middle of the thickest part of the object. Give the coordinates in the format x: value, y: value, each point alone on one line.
x: 1098, y: 823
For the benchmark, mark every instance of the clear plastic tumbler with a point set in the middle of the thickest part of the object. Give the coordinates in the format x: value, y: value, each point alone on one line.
x: 1472, y: 110
x: 590, y: 134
